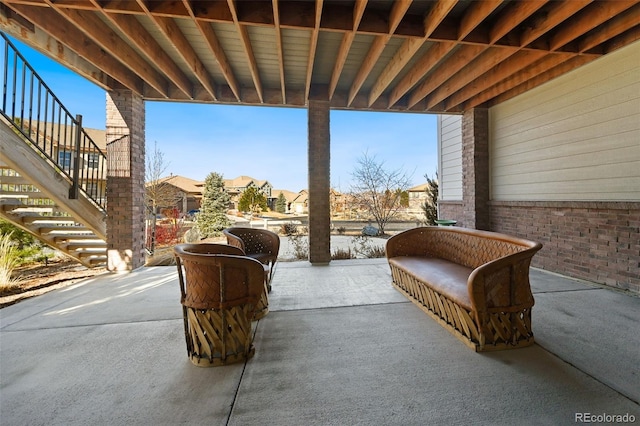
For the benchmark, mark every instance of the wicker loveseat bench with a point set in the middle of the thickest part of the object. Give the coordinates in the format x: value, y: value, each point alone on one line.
x: 474, y: 283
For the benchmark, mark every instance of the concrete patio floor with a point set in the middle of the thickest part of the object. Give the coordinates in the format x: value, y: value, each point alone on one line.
x: 339, y: 347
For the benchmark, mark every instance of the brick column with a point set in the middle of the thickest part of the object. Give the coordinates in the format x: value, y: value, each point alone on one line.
x: 475, y: 169
x: 319, y: 183
x: 125, y: 180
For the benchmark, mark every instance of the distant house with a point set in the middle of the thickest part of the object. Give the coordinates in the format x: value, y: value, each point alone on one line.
x: 300, y: 204
x: 290, y: 196
x: 235, y: 188
x: 417, y: 198
x: 189, y: 192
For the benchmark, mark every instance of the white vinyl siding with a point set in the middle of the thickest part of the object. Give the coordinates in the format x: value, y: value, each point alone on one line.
x: 576, y: 138
x: 450, y: 157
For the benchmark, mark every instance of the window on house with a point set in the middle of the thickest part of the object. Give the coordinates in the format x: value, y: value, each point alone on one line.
x: 64, y: 159
x: 93, y: 160
x: 92, y: 189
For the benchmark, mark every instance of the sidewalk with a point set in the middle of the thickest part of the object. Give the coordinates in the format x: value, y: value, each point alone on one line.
x: 339, y: 347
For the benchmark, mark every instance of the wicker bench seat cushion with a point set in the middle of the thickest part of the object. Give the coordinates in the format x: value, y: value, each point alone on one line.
x: 443, y: 276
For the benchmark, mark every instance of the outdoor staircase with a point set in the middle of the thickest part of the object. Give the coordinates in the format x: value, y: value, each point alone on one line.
x: 52, y: 174
x: 26, y: 206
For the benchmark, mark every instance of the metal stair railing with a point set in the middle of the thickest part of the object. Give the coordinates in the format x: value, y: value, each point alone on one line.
x: 33, y: 110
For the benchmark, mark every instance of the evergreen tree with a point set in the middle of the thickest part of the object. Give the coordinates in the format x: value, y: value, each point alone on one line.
x: 252, y: 201
x: 281, y: 204
x: 215, y: 200
x: 430, y: 206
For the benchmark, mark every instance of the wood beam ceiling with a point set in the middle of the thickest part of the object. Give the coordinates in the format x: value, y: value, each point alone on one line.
x: 437, y: 56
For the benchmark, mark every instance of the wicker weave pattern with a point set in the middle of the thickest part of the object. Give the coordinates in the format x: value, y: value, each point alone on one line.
x: 466, y: 247
x: 499, y: 288
x: 220, y: 294
x: 204, y: 294
x: 260, y: 244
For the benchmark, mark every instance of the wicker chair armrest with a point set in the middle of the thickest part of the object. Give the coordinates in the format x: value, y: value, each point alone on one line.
x: 503, y: 284
x: 234, y: 240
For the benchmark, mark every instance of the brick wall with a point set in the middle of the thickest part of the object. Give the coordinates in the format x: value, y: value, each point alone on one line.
x: 595, y: 241
x: 125, y: 180
x: 475, y: 168
x: 451, y: 210
x: 319, y: 182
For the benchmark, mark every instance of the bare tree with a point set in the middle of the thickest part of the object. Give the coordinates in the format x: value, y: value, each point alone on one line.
x: 378, y: 189
x: 159, y: 192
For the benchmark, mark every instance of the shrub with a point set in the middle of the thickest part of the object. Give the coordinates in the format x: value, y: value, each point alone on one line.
x: 364, y: 246
x: 289, y: 229
x: 341, y: 230
x: 166, y: 235
x: 300, y: 246
x: 340, y: 254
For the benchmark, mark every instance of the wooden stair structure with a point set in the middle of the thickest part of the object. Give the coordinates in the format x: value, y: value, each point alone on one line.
x: 36, y: 199
x: 53, y: 172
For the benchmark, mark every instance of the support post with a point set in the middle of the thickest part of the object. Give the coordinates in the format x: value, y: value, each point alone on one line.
x: 125, y: 181
x: 475, y: 169
x: 75, y: 185
x: 319, y: 182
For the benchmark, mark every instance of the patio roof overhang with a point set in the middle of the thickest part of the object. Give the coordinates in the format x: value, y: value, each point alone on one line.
x: 382, y: 55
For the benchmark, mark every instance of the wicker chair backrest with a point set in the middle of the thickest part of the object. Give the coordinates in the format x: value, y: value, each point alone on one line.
x: 212, y: 248
x: 468, y: 247
x: 254, y: 241
x: 218, y: 281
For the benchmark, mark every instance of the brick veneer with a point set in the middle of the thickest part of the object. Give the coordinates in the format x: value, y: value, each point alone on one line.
x: 475, y: 168
x: 595, y: 241
x: 452, y: 210
x: 319, y: 182
x: 125, y: 180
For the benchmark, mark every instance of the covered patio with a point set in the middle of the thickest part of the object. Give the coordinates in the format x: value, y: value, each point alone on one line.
x: 339, y: 346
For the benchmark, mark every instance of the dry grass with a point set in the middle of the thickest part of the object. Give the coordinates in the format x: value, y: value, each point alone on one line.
x: 8, y: 262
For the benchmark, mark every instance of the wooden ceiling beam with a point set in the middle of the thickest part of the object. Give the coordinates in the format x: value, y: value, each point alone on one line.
x: 445, y: 69
x: 501, y: 71
x: 141, y: 38
x: 556, y: 13
x: 174, y: 35
x: 396, y: 14
x: 477, y: 13
x: 421, y: 68
x: 57, y: 27
x: 539, y: 67
x: 436, y: 15
x: 248, y: 50
x: 345, y: 46
x: 513, y: 15
x: 587, y: 19
x: 16, y: 26
x: 96, y: 30
x: 484, y: 63
x: 610, y: 29
x: 313, y: 45
x: 278, y: 31
x: 209, y: 35
x: 409, y: 48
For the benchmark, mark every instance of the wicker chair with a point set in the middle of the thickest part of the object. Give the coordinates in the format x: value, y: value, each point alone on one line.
x: 212, y: 248
x: 219, y: 295
x: 260, y: 244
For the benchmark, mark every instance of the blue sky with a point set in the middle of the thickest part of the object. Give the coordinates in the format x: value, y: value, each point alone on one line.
x: 262, y: 142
